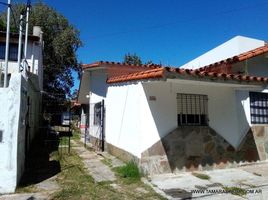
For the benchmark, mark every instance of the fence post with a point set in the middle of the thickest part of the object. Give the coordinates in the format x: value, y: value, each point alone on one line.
x: 102, y: 125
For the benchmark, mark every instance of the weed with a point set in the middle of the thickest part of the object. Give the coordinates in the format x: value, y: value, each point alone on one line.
x: 76, y: 134
x: 130, y: 171
x: 235, y: 190
x: 26, y: 189
x: 107, y: 162
x: 201, y: 176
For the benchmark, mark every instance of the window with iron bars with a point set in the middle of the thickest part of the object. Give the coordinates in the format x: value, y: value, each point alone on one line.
x: 97, y: 114
x: 192, y: 109
x: 258, y: 107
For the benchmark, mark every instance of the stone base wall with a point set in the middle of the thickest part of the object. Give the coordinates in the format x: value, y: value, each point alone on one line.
x: 260, y: 134
x: 113, y: 150
x: 121, y: 154
x: 192, y: 148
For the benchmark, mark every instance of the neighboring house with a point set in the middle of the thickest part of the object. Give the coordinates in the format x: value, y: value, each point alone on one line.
x: 232, y: 47
x: 34, y: 55
x: 21, y: 107
x: 174, y: 119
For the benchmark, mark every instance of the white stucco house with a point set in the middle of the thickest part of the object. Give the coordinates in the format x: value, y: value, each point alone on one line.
x: 210, y: 113
x: 21, y: 104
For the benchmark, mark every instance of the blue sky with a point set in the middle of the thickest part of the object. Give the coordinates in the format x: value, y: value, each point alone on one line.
x: 168, y: 31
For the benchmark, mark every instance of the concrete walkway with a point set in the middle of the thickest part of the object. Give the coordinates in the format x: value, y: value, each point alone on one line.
x: 44, y: 188
x: 96, y: 168
x: 26, y: 196
x: 186, y: 185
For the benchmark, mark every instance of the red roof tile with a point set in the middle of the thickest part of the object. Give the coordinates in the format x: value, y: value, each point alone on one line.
x: 225, y: 65
x: 149, y: 74
x: 117, y: 69
x: 100, y: 63
x: 164, y: 72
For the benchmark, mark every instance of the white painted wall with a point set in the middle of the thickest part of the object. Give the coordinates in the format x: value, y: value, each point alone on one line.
x: 124, y: 117
x: 134, y: 123
x: 83, y: 121
x: 12, y: 124
x: 222, y: 111
x: 34, y: 49
x: 232, y: 47
x: 98, y: 92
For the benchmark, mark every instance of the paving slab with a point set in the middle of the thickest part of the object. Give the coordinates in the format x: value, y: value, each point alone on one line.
x: 98, y: 170
x: 115, y: 162
x: 185, y: 185
x: 260, y: 169
x: 236, y: 178
x: 49, y: 185
x: 28, y: 196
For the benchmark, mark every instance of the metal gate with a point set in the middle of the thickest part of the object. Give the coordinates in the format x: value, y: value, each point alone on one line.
x: 58, y: 130
x: 96, y: 125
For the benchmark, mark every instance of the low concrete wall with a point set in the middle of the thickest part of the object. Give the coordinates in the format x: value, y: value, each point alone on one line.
x: 198, y: 148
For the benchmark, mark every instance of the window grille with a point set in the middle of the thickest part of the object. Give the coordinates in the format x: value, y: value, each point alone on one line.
x: 97, y: 114
x: 258, y: 107
x: 192, y: 109
x: 1, y: 136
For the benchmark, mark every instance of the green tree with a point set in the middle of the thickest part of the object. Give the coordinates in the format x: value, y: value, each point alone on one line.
x: 61, y: 41
x: 132, y: 59
x: 150, y: 62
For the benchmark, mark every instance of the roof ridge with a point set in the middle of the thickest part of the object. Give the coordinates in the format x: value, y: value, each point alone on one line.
x: 160, y: 73
x: 238, y: 58
x: 98, y: 63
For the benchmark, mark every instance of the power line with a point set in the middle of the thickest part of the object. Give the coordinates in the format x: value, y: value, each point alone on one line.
x: 223, y: 12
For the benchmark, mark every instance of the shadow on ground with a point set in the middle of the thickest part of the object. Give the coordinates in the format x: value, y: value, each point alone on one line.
x: 38, y: 166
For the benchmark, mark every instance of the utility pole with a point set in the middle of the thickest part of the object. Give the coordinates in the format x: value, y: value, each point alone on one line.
x: 20, y: 42
x: 7, y: 42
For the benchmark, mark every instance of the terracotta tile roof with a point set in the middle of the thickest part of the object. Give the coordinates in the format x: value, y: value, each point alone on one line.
x: 100, y: 63
x: 148, y: 74
x: 117, y: 69
x: 225, y: 65
x: 169, y: 72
